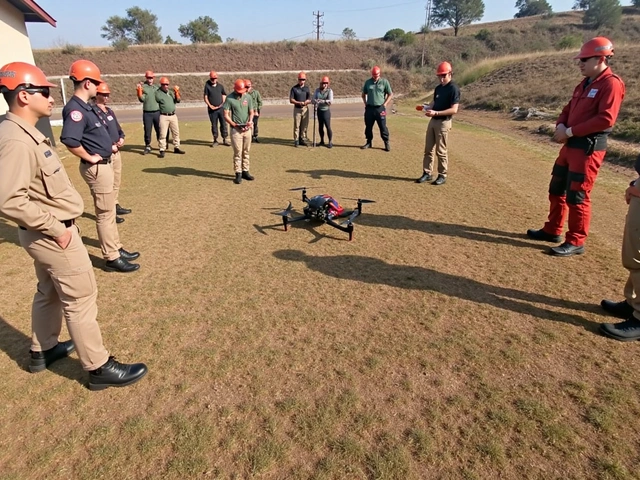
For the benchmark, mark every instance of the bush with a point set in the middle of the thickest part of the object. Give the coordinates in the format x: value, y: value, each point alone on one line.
x: 406, y: 39
x: 120, y: 45
x: 484, y: 35
x: 393, y: 35
x: 71, y: 49
x: 570, y: 42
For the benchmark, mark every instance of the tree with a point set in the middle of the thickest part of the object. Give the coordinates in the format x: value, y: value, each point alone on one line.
x: 201, y: 30
x: 603, y: 13
x: 349, y: 34
x: 138, y: 27
x: 581, y: 4
x: 528, y: 8
x: 393, y: 35
x: 635, y: 3
x: 170, y: 41
x: 456, y: 13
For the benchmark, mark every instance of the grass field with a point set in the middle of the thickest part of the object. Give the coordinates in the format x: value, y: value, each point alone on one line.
x: 440, y: 343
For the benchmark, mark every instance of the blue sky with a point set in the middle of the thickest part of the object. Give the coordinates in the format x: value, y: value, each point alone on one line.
x: 251, y: 20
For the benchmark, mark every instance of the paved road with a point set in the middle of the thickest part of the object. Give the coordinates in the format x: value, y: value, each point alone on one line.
x: 200, y: 113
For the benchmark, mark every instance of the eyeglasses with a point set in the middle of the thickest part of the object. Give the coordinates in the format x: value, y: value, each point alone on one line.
x: 325, y: 83
x: 585, y: 60
x: 302, y: 79
x: 44, y: 91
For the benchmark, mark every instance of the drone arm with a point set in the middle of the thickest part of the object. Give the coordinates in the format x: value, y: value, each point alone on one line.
x: 347, y: 229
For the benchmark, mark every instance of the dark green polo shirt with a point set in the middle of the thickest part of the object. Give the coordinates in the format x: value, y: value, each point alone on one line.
x: 166, y: 101
x: 149, y: 103
x: 376, y: 91
x: 239, y: 105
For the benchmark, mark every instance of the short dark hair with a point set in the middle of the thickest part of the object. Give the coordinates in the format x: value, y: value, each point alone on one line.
x: 10, y: 96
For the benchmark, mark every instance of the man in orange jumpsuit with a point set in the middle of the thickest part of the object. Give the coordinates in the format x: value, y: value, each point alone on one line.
x: 583, y: 127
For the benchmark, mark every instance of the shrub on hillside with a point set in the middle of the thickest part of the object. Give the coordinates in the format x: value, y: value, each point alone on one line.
x: 393, y: 35
x: 120, y: 45
x: 570, y: 41
x: 71, y: 49
x: 483, y: 34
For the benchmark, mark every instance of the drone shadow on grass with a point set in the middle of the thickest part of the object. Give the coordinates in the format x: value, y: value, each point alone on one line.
x: 333, y: 172
x: 375, y: 271
x: 16, y: 345
x: 310, y: 226
x: 470, y: 232
x: 186, y: 171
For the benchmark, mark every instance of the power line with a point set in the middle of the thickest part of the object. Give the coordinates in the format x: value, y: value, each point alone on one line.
x: 373, y: 8
x: 318, y: 24
x: 298, y: 36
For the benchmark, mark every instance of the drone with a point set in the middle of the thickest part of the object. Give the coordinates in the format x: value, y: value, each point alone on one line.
x: 324, y: 209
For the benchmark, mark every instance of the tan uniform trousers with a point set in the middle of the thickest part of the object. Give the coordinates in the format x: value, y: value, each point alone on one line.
x: 631, y: 255
x: 300, y: 123
x: 241, y: 143
x: 99, y: 177
x: 116, y: 161
x: 169, y: 122
x: 66, y: 288
x: 436, y: 139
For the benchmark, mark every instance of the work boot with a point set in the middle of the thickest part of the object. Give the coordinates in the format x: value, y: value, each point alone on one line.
x: 387, y: 147
x: 426, y: 177
x: 247, y: 176
x: 226, y: 142
x: 41, y: 360
x: 566, y: 250
x: 121, y: 210
x: 178, y: 151
x: 116, y: 374
x: 626, y: 331
x: 215, y: 143
x: 161, y: 154
x: 440, y: 180
x: 146, y: 150
x: 321, y: 144
x: 121, y: 265
x: 119, y: 219
x: 543, y: 236
x: 238, y: 179
x: 302, y: 143
x: 617, y: 309
x: 128, y: 255
x: 365, y: 146
x: 255, y: 139
x: 330, y: 145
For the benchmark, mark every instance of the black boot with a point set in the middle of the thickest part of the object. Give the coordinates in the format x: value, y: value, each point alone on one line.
x: 566, y: 250
x: 116, y: 374
x: 146, y: 150
x: 426, y: 177
x: 128, y: 255
x: 440, y: 180
x: 121, y: 210
x: 247, y: 176
x: 387, y: 147
x: 178, y: 151
x: 41, y: 360
x: 366, y: 145
x: 238, y: 179
x: 119, y: 219
x: 255, y: 139
x: 161, y: 154
x: 121, y: 265
x: 617, y: 309
x: 543, y: 236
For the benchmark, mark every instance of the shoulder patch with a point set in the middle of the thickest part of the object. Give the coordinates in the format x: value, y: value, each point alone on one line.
x: 48, y: 153
x: 76, y: 115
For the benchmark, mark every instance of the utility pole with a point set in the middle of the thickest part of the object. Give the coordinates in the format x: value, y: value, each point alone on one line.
x: 426, y: 27
x: 318, y: 23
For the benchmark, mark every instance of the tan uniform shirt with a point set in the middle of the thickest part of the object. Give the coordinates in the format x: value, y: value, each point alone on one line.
x: 35, y: 190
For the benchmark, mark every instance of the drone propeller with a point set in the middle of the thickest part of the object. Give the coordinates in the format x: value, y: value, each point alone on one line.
x: 352, y: 217
x: 285, y: 212
x: 361, y: 200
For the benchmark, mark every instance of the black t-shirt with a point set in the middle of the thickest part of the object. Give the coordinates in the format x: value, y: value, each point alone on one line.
x: 445, y: 96
x: 300, y: 94
x: 214, y: 94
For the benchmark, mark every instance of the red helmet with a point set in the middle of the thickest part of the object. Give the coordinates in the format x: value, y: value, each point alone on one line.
x: 444, y: 68
x: 213, y: 74
x: 84, y: 69
x: 247, y: 83
x: 149, y: 74
x: 164, y: 81
x: 596, y: 47
x: 14, y: 74
x: 375, y: 71
x: 239, y: 86
x: 325, y: 79
x: 302, y: 76
x: 103, y: 89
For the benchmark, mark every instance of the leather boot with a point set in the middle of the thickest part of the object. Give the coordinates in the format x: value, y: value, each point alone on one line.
x: 121, y: 210
x: 161, y: 154
x: 41, y: 360
x: 116, y: 374
x: 178, y: 151
x: 543, y: 236
x: 440, y: 180
x: 128, y: 255
x: 566, y: 250
x: 365, y: 146
x: 617, y: 309
x: 426, y: 177
x: 247, y: 176
x: 387, y: 147
x: 626, y: 331
x: 146, y: 150
x: 238, y: 179
x: 119, y: 219
x: 121, y: 265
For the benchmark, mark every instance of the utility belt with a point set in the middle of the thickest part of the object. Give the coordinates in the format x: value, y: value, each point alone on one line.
x: 104, y: 161
x: 66, y: 223
x: 442, y: 117
x: 168, y: 114
x: 151, y: 111
x: 596, y: 142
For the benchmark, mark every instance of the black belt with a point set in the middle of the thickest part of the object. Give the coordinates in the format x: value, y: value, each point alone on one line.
x: 104, y: 161
x: 374, y: 106
x: 446, y: 117
x: 150, y: 111
x: 168, y: 114
x: 66, y: 223
x: 596, y: 142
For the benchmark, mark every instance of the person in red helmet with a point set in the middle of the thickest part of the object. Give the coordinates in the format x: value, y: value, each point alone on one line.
x: 36, y: 193
x: 446, y: 99
x: 167, y: 100
x: 322, y: 99
x: 582, y: 128
x: 238, y: 112
x: 300, y: 98
x: 376, y: 95
x: 146, y: 93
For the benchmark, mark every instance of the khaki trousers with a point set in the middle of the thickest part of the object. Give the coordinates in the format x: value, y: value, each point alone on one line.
x: 241, y: 143
x: 116, y: 161
x: 100, y: 179
x: 300, y: 123
x: 66, y: 289
x: 631, y: 254
x: 169, y: 122
x: 436, y: 139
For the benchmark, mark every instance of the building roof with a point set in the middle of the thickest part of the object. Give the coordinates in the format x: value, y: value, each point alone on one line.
x: 33, y: 12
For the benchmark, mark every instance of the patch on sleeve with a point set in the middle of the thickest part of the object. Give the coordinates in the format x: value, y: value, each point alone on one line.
x: 76, y: 116
x: 48, y: 153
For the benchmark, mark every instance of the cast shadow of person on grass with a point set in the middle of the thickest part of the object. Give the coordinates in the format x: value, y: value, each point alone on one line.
x: 333, y: 172
x: 185, y: 171
x: 16, y: 345
x: 8, y: 232
x: 470, y: 232
x: 132, y: 148
x: 375, y: 271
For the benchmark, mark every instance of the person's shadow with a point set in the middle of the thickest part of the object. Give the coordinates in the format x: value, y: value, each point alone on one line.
x: 371, y: 270
x: 476, y: 234
x: 185, y: 171
x: 334, y: 172
x: 8, y: 232
x: 16, y: 345
x: 132, y: 148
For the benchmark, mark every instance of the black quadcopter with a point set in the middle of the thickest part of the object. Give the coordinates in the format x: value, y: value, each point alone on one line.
x: 324, y: 209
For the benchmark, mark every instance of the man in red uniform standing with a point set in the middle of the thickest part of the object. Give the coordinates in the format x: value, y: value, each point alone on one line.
x: 583, y: 127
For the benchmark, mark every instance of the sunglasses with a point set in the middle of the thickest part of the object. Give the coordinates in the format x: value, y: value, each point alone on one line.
x: 443, y: 75
x: 585, y: 60
x: 164, y: 84
x: 302, y: 79
x: 325, y: 83
x: 44, y: 91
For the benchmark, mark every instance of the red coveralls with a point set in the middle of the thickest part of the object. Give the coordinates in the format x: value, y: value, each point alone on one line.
x: 593, y: 109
